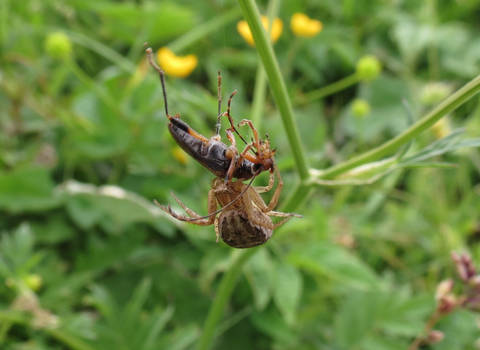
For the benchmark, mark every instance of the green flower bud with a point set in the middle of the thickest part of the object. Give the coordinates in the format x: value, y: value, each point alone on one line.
x: 433, y: 93
x: 441, y: 128
x: 368, y: 68
x: 33, y: 281
x: 58, y: 45
x: 360, y: 108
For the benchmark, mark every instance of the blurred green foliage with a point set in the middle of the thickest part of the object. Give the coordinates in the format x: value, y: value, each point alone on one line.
x: 84, y: 149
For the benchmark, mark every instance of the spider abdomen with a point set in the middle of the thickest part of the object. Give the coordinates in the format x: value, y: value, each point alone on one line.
x: 239, y: 232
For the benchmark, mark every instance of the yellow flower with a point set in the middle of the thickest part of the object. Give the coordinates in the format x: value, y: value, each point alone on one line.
x: 275, y: 32
x: 304, y: 26
x: 177, y: 66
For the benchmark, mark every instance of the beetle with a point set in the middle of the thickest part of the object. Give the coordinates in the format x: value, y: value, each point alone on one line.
x: 222, y: 160
x: 244, y: 220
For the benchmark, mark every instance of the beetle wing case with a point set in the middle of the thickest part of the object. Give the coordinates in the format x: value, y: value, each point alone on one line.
x: 210, y: 154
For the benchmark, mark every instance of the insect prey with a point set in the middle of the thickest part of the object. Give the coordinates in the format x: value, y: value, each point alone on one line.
x: 222, y: 160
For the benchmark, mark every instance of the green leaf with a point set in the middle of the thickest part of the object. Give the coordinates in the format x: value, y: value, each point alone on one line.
x: 27, y: 189
x: 126, y: 20
x: 393, y: 312
x: 272, y: 323
x: 336, y: 263
x: 181, y: 339
x: 112, y: 207
x: 57, y: 228
x: 260, y: 274
x: 461, y: 331
x: 17, y: 254
x: 287, y: 291
x: 108, y: 133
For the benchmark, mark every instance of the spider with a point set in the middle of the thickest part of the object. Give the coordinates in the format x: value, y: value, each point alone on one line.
x: 244, y: 219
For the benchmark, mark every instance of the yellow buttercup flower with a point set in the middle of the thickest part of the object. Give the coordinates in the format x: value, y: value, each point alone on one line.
x: 302, y: 25
x: 275, y: 32
x: 177, y: 66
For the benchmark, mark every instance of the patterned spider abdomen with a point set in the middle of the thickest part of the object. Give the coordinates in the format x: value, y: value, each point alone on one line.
x: 239, y: 232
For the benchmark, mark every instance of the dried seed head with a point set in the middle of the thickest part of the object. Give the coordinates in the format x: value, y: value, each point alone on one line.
x: 446, y: 304
x: 435, y: 337
x: 464, y: 265
x: 443, y: 289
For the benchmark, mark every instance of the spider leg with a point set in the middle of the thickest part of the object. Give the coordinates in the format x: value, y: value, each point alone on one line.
x: 276, y: 195
x: 283, y: 215
x: 189, y: 211
x: 212, y: 206
x: 274, y: 201
x: 281, y: 222
x: 263, y: 189
x: 217, y: 229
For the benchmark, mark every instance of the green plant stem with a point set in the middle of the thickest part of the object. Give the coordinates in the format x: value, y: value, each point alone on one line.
x: 3, y: 23
x: 223, y: 295
x: 284, y: 105
x: 230, y: 277
x: 277, y: 84
x: 329, y: 89
x: 389, y: 147
x: 259, y: 95
x: 203, y: 30
x: 260, y: 89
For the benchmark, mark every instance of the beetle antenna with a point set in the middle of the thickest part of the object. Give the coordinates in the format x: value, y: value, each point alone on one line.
x: 225, y: 206
x: 219, y: 94
x: 161, y: 73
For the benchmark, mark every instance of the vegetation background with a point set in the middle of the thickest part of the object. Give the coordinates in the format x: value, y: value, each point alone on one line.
x: 88, y: 262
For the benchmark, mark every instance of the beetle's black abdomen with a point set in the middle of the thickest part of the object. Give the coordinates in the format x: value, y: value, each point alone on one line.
x: 238, y: 232
x: 246, y: 170
x: 211, y: 155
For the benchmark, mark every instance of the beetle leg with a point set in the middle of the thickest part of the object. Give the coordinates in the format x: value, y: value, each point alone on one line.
x: 254, y: 131
x: 197, y: 135
x: 245, y: 154
x: 229, y: 116
x: 232, y: 154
